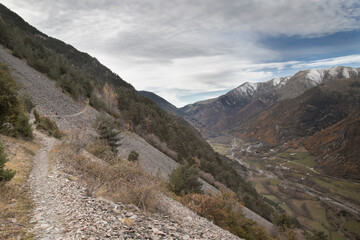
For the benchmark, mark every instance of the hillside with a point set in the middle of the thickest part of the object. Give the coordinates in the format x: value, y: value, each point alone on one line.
x: 76, y: 78
x: 337, y: 148
x: 325, y: 117
x: 237, y: 107
x: 161, y: 102
x: 53, y: 197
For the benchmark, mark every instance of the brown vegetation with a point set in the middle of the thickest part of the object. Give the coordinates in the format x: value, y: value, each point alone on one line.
x: 116, y: 179
x: 46, y: 124
x: 224, y: 210
x: 15, y: 200
x: 338, y: 148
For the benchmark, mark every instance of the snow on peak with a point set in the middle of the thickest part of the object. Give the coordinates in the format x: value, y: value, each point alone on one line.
x: 345, y: 72
x: 248, y: 87
x: 279, y: 82
x: 316, y: 76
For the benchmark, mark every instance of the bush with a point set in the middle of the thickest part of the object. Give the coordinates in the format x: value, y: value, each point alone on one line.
x: 5, y: 174
x: 133, y: 156
x: 225, y: 211
x: 22, y: 126
x: 28, y: 102
x: 316, y: 235
x: 185, y: 179
x: 37, y: 116
x: 46, y: 124
x: 108, y: 131
x: 101, y: 150
x: 121, y: 181
x: 286, y: 221
x: 13, y: 119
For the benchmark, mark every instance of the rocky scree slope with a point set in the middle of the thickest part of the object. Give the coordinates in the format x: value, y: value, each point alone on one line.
x: 71, y: 116
x: 80, y: 75
x: 244, y: 103
x: 63, y: 208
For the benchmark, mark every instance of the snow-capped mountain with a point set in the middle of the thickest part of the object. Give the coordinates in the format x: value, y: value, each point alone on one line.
x: 249, y: 99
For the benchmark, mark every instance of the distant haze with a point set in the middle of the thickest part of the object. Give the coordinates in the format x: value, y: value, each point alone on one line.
x: 186, y: 51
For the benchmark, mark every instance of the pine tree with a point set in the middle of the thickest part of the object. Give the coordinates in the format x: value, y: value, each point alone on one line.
x: 133, y: 156
x: 108, y: 131
x: 185, y: 179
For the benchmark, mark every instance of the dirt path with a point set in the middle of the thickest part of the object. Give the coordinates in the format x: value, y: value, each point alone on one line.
x: 45, y: 193
x: 70, y: 115
x: 63, y: 210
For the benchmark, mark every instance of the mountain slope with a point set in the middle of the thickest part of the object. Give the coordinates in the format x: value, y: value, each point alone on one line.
x: 314, y: 110
x: 84, y: 78
x: 338, y: 148
x: 325, y: 118
x: 161, y: 102
x: 245, y: 102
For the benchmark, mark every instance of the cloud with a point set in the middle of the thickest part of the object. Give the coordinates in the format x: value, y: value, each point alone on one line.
x: 344, y: 60
x: 182, y: 48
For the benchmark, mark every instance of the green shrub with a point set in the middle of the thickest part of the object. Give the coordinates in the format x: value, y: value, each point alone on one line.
x: 133, y: 156
x: 316, y: 235
x: 28, y: 102
x: 46, y: 124
x: 13, y: 119
x: 5, y: 174
x: 185, y: 179
x: 37, y: 116
x: 286, y: 221
x: 23, y: 127
x: 108, y: 131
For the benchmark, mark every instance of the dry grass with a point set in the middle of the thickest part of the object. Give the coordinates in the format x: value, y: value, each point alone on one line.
x: 15, y: 201
x: 114, y: 179
x: 225, y: 211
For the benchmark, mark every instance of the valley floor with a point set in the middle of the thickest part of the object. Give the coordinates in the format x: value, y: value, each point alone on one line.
x: 291, y: 182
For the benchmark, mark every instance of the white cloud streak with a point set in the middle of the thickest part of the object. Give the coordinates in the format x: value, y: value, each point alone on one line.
x: 189, y: 46
x: 344, y: 60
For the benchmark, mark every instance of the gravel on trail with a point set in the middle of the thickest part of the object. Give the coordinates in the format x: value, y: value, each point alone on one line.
x: 63, y: 210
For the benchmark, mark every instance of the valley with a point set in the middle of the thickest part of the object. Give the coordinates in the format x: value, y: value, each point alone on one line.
x: 290, y: 181
x: 91, y: 156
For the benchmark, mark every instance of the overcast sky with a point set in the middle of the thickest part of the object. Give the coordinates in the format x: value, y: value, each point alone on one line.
x: 186, y: 51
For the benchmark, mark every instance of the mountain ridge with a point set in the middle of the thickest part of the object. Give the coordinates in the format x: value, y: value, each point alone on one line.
x: 224, y: 113
x: 77, y: 75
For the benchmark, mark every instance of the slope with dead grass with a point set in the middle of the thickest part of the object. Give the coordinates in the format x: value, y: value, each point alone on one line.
x: 15, y: 200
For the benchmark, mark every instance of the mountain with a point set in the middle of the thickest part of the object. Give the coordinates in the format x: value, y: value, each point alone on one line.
x: 237, y: 107
x: 338, y: 148
x: 325, y: 119
x: 305, y: 115
x: 85, y: 79
x: 168, y: 107
x: 162, y: 103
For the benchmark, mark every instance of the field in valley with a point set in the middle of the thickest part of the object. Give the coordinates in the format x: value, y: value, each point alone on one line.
x: 291, y: 182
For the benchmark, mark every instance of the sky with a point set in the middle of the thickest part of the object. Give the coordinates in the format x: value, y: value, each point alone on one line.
x: 191, y: 50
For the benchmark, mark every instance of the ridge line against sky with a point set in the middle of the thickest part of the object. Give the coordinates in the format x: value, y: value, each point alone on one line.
x: 186, y: 51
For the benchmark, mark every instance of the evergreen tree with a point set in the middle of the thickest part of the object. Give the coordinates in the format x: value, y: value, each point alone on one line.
x: 133, y: 156
x: 108, y: 131
x: 185, y: 179
x: 13, y: 119
x: 23, y: 127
